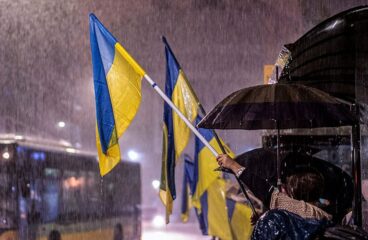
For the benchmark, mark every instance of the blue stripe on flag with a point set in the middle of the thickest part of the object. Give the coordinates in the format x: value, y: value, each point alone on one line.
x: 104, y: 112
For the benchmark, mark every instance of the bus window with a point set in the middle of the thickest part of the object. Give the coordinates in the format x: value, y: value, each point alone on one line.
x: 71, y: 207
x: 50, y: 194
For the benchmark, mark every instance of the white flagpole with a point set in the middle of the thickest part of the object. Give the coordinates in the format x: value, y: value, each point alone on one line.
x: 187, y: 122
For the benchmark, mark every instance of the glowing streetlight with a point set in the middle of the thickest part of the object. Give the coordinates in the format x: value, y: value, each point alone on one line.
x: 6, y: 155
x: 61, y: 124
x: 156, y: 184
x: 158, y: 221
x: 133, y: 155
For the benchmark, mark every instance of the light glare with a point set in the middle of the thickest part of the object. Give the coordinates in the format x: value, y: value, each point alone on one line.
x: 6, y: 155
x: 70, y: 150
x: 158, y: 221
x: 133, y: 155
x: 155, y: 184
x: 61, y: 124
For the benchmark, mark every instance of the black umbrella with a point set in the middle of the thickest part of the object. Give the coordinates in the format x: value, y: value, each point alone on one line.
x: 261, y: 176
x: 278, y: 106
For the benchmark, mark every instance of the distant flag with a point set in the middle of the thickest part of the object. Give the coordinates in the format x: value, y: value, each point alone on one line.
x: 188, y: 190
x: 204, y: 174
x: 240, y: 219
x: 187, y: 184
x: 217, y: 215
x: 175, y: 132
x: 117, y: 81
x: 209, y: 188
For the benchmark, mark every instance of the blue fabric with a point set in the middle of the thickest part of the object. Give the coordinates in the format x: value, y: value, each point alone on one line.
x: 102, y: 44
x: 173, y: 67
x: 283, y: 225
x: 230, y: 207
x: 188, y: 179
x: 203, y: 216
x: 172, y: 73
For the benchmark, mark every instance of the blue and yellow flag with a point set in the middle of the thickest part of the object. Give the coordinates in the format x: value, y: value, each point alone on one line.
x: 240, y: 219
x: 205, y: 163
x: 175, y: 132
x: 210, y: 189
x: 217, y: 215
x: 188, y: 190
x: 117, y: 81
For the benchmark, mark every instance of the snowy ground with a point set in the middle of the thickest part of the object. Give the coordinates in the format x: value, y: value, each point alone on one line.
x: 177, y: 231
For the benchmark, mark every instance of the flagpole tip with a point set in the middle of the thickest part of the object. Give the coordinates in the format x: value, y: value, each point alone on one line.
x: 92, y: 16
x: 164, y: 39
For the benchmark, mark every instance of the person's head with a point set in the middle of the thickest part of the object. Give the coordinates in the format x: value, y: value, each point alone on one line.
x: 54, y: 235
x: 118, y: 231
x: 305, y: 184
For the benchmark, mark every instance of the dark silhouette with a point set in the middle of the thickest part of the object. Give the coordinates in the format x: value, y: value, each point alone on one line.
x: 54, y: 235
x: 118, y: 232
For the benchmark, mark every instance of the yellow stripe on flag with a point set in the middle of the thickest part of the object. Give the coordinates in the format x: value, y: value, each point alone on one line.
x: 240, y: 222
x: 186, y: 102
x: 124, y: 82
x: 109, y: 160
x: 218, y: 219
x: 206, y: 164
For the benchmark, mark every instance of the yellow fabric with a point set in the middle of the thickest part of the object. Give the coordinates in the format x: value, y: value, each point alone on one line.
x: 109, y: 160
x: 129, y: 60
x: 218, y: 220
x: 164, y: 193
x: 124, y: 83
x: 167, y: 200
x: 240, y: 222
x: 206, y: 164
x: 186, y: 101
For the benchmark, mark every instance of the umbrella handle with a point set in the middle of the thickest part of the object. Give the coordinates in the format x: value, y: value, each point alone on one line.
x: 247, y: 196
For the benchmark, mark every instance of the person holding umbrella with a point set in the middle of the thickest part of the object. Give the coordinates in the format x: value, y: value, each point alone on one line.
x: 299, y: 195
x: 294, y: 212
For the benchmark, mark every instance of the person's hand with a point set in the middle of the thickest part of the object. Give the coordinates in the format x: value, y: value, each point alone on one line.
x: 227, y: 162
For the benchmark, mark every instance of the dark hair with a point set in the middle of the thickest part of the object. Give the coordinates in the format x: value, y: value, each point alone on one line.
x: 305, y: 184
x: 118, y: 232
x: 54, y: 235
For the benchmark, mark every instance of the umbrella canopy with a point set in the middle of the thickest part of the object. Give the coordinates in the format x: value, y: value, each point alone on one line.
x: 278, y: 106
x: 260, y: 175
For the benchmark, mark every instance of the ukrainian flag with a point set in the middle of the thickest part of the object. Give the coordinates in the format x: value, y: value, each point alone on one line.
x: 188, y: 189
x: 212, y: 217
x: 117, y: 81
x: 205, y: 163
x: 240, y: 219
x: 210, y: 189
x: 175, y: 132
